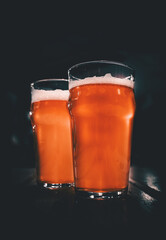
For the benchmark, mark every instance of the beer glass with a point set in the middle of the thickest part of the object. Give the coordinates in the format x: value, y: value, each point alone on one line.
x: 102, y: 107
x: 52, y: 133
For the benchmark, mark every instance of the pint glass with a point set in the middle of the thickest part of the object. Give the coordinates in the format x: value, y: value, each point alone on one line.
x: 102, y: 107
x: 52, y: 132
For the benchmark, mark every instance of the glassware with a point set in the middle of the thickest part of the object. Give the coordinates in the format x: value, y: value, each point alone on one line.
x: 52, y: 133
x: 102, y: 107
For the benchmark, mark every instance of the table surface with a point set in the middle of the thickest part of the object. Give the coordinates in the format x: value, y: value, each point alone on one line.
x: 40, y: 211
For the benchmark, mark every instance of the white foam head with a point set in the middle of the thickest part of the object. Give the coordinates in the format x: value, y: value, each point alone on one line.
x: 40, y: 95
x: 106, y: 79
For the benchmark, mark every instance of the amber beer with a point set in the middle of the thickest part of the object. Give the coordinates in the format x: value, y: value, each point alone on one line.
x: 102, y: 111
x: 52, y: 133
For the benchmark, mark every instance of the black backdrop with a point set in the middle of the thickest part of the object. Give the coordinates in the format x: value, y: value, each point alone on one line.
x: 42, y: 41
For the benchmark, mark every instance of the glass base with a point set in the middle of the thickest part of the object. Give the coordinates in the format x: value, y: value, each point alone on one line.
x: 54, y: 185
x: 101, y: 195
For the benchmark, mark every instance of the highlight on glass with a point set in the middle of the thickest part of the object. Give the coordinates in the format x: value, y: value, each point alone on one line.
x: 102, y: 107
x: 51, y: 125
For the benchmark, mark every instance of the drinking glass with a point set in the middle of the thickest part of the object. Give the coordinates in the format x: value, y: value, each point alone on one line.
x: 52, y: 133
x: 102, y: 107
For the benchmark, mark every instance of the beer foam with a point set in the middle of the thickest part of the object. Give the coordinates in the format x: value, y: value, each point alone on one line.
x: 58, y: 94
x: 106, y: 79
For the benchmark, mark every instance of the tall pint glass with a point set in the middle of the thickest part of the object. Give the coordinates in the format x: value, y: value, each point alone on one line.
x: 52, y: 132
x: 102, y: 107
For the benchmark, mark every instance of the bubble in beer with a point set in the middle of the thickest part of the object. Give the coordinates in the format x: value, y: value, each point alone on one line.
x: 106, y: 79
x: 58, y: 94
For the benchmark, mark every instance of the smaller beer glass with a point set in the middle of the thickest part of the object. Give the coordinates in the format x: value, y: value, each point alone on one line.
x: 50, y: 121
x: 102, y: 107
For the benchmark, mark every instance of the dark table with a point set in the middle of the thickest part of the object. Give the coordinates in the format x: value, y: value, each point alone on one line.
x: 57, y: 214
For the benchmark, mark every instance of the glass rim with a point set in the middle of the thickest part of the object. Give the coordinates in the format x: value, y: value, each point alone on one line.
x: 98, y: 61
x: 48, y: 79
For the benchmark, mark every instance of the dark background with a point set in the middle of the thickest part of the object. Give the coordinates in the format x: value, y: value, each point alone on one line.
x: 42, y: 41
